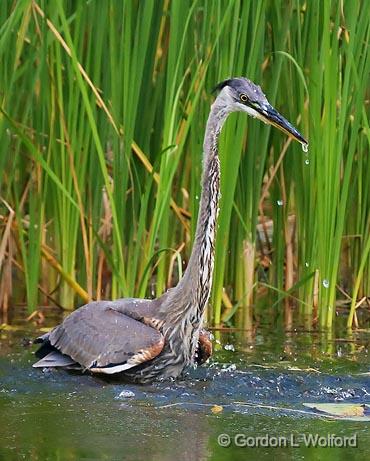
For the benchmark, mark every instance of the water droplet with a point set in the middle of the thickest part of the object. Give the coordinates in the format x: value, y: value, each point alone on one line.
x: 307, y: 162
x: 305, y: 147
x: 280, y: 202
x: 196, y: 197
x: 325, y: 283
x: 307, y: 264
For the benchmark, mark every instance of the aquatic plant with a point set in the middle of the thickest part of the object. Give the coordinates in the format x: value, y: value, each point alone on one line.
x: 103, y: 106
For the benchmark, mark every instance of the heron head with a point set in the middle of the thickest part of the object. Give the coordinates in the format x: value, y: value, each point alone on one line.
x: 240, y: 94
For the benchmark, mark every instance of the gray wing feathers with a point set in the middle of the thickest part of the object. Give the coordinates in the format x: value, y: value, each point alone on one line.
x: 101, y: 334
x: 55, y: 359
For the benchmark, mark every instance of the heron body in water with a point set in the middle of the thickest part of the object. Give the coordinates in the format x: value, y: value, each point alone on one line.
x: 145, y: 339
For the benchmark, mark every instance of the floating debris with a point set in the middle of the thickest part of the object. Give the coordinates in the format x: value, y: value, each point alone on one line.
x: 354, y: 412
x: 217, y: 409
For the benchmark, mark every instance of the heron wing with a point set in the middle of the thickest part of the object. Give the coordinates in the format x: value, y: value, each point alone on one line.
x: 101, y: 337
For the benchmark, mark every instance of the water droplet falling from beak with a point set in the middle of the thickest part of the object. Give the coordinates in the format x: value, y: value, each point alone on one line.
x: 305, y: 147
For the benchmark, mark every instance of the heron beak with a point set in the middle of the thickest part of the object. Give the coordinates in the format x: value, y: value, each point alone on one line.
x: 272, y: 116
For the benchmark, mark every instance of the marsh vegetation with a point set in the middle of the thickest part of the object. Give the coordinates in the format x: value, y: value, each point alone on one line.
x: 103, y: 109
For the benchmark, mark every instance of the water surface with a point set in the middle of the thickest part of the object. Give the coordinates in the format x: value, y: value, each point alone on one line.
x: 252, y: 386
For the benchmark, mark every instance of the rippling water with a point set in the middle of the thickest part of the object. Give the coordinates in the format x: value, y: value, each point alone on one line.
x: 255, y: 385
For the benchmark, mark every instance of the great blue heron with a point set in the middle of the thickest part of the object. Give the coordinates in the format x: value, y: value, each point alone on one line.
x: 148, y: 339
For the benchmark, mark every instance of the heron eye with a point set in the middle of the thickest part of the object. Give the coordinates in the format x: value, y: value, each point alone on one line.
x: 243, y: 97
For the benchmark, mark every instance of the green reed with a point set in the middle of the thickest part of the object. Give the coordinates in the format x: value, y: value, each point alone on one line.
x: 103, y: 110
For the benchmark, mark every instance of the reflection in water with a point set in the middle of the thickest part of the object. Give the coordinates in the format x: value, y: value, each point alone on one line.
x: 56, y: 415
x: 187, y: 434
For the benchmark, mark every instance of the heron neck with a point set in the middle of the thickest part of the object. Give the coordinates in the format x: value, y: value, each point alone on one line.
x: 197, y: 279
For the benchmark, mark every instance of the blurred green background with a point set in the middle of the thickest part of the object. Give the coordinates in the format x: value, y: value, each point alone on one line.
x: 103, y: 110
